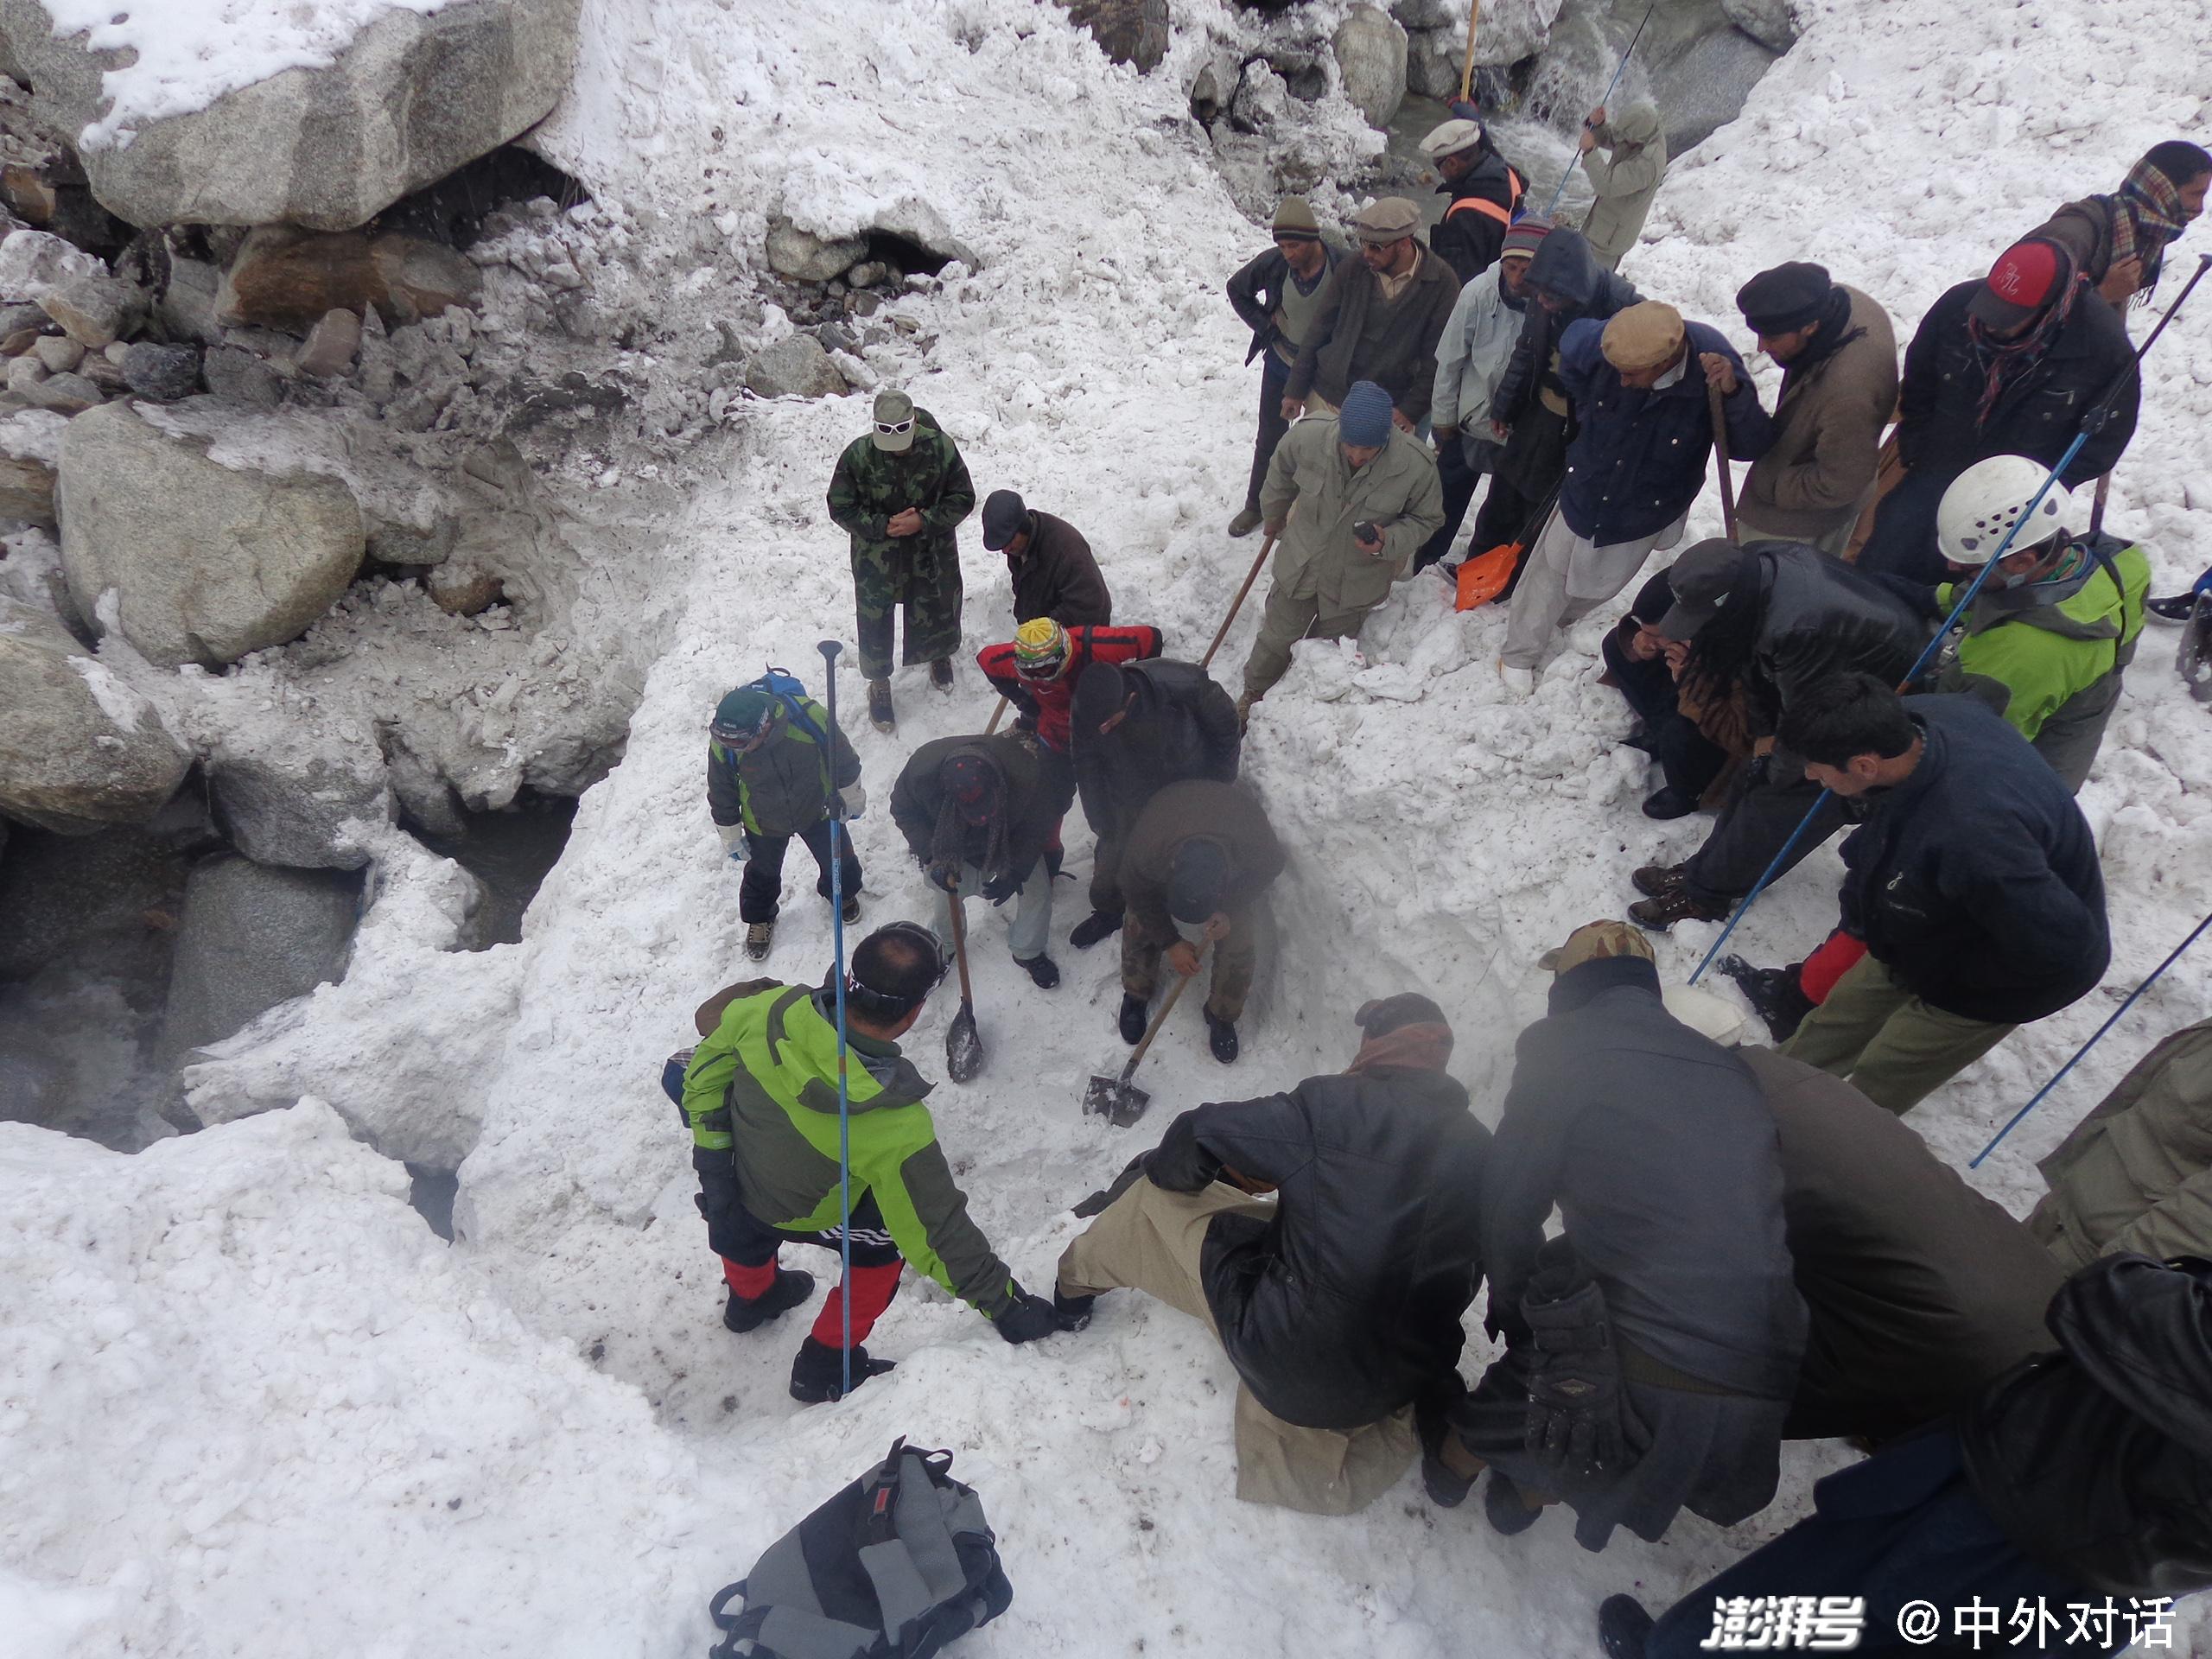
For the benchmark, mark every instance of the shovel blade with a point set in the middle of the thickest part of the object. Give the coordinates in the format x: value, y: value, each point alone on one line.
x: 1117, y: 1100
x: 963, y: 1049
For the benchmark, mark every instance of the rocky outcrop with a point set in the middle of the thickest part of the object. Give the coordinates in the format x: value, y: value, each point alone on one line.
x: 1370, y: 51
x: 208, y: 561
x: 802, y: 257
x: 281, y: 797
x: 283, y: 277
x: 795, y: 366
x: 410, y: 98
x: 1767, y: 21
x: 251, y: 938
x: 79, y: 748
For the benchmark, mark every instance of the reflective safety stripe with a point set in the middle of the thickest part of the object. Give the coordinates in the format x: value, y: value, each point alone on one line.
x: 1488, y: 208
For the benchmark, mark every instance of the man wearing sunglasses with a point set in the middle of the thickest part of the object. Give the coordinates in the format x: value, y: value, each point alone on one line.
x: 898, y: 493
x: 774, y: 771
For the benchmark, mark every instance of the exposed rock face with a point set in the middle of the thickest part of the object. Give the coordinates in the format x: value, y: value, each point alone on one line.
x: 287, y: 278
x: 411, y: 98
x: 284, y: 800
x: 251, y: 938
x: 209, y: 562
x: 1134, y: 32
x: 79, y: 748
x: 802, y: 257
x: 163, y: 373
x: 1767, y: 21
x: 794, y: 367
x: 30, y: 449
x: 1370, y: 51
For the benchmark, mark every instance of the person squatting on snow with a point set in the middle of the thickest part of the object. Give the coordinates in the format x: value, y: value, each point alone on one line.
x: 1277, y: 296
x: 1339, y: 1303
x: 2119, y: 242
x: 2052, y: 632
x: 1691, y: 722
x: 1484, y: 191
x: 1839, y: 357
x: 760, y: 1095
x: 773, y: 772
x: 1529, y: 412
x: 1350, y: 499
x: 1037, y: 671
x: 2007, y: 365
x: 2083, y: 1473
x: 1776, y: 617
x: 979, y: 813
x: 1048, y: 563
x: 2136, y: 1174
x: 1137, y: 728
x: 1623, y: 180
x: 1652, y: 1350
x: 900, y: 493
x: 1199, y: 857
x: 1973, y: 882
x: 1637, y: 460
x: 1378, y: 318
x: 1470, y: 359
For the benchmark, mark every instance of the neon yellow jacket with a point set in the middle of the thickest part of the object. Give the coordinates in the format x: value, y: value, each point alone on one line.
x: 2045, y: 655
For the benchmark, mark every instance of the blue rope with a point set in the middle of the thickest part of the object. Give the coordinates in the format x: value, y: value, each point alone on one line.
x: 830, y: 648
x: 1619, y: 69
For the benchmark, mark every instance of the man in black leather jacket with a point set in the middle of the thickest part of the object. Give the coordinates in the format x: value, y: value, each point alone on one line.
x: 1793, y: 617
x: 1340, y: 1302
x: 2081, y: 1474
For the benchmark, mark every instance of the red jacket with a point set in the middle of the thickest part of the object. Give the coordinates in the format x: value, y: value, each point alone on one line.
x: 1046, y: 704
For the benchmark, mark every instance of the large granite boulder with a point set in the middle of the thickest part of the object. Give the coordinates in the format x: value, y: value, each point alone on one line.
x: 1134, y: 32
x: 251, y: 938
x: 209, y: 562
x: 411, y: 97
x: 1371, y: 49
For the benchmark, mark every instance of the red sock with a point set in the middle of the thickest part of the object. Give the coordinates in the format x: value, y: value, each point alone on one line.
x: 752, y: 1283
x: 873, y: 1289
x: 1838, y: 955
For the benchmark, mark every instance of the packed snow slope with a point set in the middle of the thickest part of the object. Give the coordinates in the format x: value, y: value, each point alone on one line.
x: 243, y: 1389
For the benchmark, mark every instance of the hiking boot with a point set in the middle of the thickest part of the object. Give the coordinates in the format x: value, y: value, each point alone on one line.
x: 1073, y: 1311
x: 1221, y: 1037
x: 1508, y: 1512
x: 941, y: 674
x: 1245, y: 522
x: 1675, y: 905
x: 851, y: 911
x: 1658, y: 878
x: 1042, y: 971
x: 789, y: 1289
x: 817, y: 1374
x: 757, y: 938
x: 1623, y: 1627
x: 1776, y: 995
x: 879, y: 712
x: 1670, y: 803
x: 1244, y: 710
x: 1094, y: 927
x: 1133, y: 1021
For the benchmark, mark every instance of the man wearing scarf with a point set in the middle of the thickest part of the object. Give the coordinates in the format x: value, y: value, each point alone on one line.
x: 2119, y: 242
x: 1839, y: 357
x: 1339, y: 1302
x: 2011, y: 364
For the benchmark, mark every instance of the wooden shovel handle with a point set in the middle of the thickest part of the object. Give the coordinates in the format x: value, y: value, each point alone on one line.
x: 956, y: 906
x: 1237, y: 605
x: 1167, y: 1007
x: 1713, y: 401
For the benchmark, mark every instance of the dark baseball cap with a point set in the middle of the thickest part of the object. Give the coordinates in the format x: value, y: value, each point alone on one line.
x: 1003, y: 514
x: 1701, y: 579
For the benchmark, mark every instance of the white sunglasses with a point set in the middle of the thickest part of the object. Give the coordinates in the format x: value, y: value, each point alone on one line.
x: 892, y: 428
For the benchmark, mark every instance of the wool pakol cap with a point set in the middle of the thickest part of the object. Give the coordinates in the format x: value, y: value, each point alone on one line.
x: 1384, y: 1014
x: 1364, y: 418
x: 1701, y: 580
x: 1450, y: 138
x: 1785, y: 299
x: 891, y: 409
x: 1594, y: 939
x: 1646, y: 335
x: 1004, y: 513
x: 1294, y: 218
x: 1522, y: 236
x: 1393, y: 218
x: 2026, y: 278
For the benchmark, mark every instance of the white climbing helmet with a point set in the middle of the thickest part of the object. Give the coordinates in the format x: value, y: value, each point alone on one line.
x: 1983, y: 502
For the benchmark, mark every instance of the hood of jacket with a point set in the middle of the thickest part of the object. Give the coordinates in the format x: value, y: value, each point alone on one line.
x: 1636, y: 124
x: 1564, y: 265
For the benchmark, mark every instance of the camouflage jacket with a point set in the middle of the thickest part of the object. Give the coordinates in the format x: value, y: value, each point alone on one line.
x: 871, y: 485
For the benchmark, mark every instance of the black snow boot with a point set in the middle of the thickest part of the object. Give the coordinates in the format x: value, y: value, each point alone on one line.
x: 1073, y: 1311
x: 1502, y: 1504
x: 1133, y: 1019
x: 1094, y: 927
x: 1670, y: 803
x: 1043, y: 971
x: 1775, y: 994
x: 1221, y: 1037
x: 817, y: 1374
x: 1623, y: 1627
x: 789, y: 1289
x: 851, y: 913
x: 941, y: 673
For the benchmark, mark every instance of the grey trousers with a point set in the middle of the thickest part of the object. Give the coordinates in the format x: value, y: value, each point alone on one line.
x: 1031, y: 930
x: 1541, y: 605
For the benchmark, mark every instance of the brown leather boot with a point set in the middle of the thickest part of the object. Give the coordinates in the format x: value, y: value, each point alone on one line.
x: 1675, y: 905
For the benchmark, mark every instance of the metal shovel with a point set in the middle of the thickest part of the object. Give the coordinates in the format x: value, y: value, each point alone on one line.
x: 1117, y: 1100
x: 963, y: 1049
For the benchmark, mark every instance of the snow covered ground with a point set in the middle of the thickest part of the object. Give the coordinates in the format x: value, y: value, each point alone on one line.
x: 248, y: 1404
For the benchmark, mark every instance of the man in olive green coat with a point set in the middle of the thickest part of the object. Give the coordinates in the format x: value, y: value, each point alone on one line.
x: 898, y: 493
x: 1625, y: 178
x: 2136, y: 1174
x: 1365, y: 497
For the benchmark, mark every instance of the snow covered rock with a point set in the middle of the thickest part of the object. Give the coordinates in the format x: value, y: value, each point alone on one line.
x: 251, y: 938
x: 336, y: 126
x: 79, y: 748
x: 802, y: 257
x: 1134, y: 32
x: 210, y: 561
x: 1370, y: 51
x: 284, y: 799
x: 1767, y: 21
x: 31, y: 262
x: 795, y: 366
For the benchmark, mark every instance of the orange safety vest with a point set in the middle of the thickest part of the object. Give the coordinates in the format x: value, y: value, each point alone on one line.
x: 1515, y: 187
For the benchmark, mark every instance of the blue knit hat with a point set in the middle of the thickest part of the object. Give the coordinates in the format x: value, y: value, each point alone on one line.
x: 1364, y: 418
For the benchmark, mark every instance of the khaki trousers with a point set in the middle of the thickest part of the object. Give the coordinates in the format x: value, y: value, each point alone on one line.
x: 1150, y: 1239
x: 1888, y: 1043
x: 1283, y: 623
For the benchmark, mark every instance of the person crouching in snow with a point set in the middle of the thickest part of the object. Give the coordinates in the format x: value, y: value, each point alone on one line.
x: 1339, y: 1303
x: 774, y: 771
x: 760, y: 1095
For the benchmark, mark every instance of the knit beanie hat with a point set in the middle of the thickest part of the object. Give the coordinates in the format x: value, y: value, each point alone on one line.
x: 1040, y: 650
x: 1294, y: 218
x: 740, y: 714
x: 1391, y: 220
x: 1785, y: 299
x: 2027, y: 276
x: 973, y: 783
x: 1386, y: 1014
x: 1197, y: 875
x: 1644, y: 336
x: 1364, y: 418
x: 1522, y: 236
x: 1594, y: 939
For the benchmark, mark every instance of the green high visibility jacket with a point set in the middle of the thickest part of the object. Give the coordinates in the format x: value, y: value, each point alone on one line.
x: 2045, y: 655
x: 763, y: 1087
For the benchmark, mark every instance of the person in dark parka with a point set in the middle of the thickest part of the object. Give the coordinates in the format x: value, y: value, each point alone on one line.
x: 1048, y: 562
x: 2083, y: 1473
x: 1340, y: 1303
x: 1484, y: 191
x: 1660, y: 1152
x: 1973, y: 882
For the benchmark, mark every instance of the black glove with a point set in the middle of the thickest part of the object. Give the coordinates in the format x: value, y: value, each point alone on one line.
x: 1579, y: 1413
x: 1030, y: 1318
x: 944, y: 873
x: 1000, y: 888
x: 1757, y: 770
